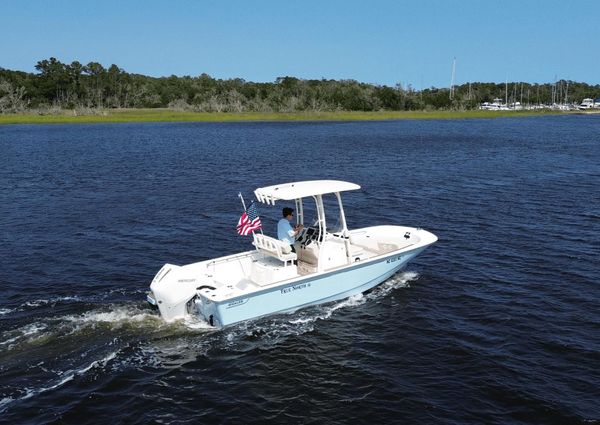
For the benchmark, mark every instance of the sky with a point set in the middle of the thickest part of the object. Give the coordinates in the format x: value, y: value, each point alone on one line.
x: 379, y: 42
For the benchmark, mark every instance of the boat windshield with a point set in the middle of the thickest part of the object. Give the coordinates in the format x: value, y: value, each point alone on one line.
x: 311, y: 218
x: 332, y: 213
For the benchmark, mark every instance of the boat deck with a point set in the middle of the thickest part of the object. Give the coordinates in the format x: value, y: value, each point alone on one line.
x: 253, y: 271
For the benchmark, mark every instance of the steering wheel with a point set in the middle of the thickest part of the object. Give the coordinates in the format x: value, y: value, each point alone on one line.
x: 309, y: 235
x: 301, y: 235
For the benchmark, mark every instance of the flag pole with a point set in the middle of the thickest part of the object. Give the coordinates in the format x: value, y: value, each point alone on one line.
x: 242, y: 199
x: 244, y: 205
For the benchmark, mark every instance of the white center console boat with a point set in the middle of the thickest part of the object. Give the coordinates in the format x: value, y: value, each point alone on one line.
x: 330, y: 262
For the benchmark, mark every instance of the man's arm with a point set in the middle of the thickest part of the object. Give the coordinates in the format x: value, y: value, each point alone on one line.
x: 298, y: 228
x: 293, y: 232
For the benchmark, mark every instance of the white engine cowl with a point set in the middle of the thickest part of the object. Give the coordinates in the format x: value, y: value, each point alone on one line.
x: 172, y: 290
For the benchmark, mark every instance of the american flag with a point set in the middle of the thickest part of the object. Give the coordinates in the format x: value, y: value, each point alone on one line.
x: 249, y: 221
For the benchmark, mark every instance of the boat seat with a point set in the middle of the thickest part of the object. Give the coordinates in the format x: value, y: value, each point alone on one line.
x: 274, y: 248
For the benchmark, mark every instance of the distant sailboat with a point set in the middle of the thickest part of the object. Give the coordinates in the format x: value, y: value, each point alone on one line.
x: 452, y: 80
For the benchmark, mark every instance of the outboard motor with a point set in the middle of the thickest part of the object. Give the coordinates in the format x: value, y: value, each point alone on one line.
x: 172, y: 290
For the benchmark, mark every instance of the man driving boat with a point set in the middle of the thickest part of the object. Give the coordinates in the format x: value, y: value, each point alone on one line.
x: 285, y: 231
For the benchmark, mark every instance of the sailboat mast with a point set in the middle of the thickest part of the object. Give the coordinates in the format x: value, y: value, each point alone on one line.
x: 452, y: 81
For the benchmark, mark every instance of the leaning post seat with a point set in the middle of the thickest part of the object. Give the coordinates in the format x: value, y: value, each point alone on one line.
x: 274, y: 248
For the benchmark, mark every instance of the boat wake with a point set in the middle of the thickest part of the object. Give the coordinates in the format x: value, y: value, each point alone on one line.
x: 63, y: 378
x: 62, y: 300
x: 399, y: 280
x: 56, y: 350
x: 51, y: 328
x: 114, y: 337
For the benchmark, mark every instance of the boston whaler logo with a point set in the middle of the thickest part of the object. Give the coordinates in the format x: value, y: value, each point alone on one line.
x: 394, y: 259
x: 237, y: 303
x: 295, y: 288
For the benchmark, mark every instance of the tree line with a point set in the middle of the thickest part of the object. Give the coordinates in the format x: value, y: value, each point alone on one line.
x: 56, y: 85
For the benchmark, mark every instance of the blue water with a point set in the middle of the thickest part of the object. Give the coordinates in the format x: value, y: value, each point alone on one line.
x: 499, y: 322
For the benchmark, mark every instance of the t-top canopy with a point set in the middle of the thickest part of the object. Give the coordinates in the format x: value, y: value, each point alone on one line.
x: 290, y: 191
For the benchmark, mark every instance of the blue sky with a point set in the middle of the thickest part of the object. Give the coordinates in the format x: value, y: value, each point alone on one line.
x: 381, y: 42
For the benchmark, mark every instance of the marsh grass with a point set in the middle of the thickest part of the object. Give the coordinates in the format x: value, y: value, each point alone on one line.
x: 168, y: 115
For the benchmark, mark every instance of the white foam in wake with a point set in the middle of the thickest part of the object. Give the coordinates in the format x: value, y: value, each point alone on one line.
x: 196, y: 323
x: 400, y: 280
x: 38, y: 303
x: 273, y: 330
x: 113, y: 316
x: 327, y: 312
x: 53, y: 300
x: 64, y: 378
x: 30, y: 331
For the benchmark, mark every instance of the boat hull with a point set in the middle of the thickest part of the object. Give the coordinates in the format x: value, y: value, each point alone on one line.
x: 305, y: 291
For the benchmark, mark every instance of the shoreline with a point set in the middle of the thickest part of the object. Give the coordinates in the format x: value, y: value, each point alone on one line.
x: 168, y: 115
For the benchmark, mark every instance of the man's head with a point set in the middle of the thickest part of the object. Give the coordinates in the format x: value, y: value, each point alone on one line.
x: 288, y: 213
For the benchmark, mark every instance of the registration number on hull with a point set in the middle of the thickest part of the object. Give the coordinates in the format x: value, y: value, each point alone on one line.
x: 394, y: 259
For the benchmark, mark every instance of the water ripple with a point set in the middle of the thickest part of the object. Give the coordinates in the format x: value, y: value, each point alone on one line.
x: 497, y: 323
